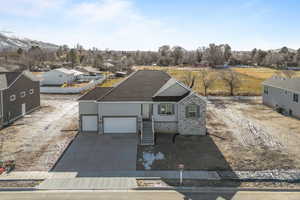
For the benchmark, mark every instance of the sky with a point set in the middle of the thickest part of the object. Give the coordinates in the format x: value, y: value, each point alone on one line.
x: 148, y: 24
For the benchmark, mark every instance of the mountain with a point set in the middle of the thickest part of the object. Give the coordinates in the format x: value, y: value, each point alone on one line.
x: 12, y: 42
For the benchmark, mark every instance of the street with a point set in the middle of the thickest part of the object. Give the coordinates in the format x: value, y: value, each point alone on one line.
x: 149, y: 195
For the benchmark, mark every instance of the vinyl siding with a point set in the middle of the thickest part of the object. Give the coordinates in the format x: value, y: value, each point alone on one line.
x: 282, y: 98
x: 32, y: 101
x: 88, y: 108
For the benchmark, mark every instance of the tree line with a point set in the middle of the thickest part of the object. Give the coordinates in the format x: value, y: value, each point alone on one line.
x: 211, y: 56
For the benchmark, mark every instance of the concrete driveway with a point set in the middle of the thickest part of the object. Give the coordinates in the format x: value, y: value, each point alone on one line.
x: 94, y: 153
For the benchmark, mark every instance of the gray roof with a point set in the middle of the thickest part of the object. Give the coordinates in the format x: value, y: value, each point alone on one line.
x: 292, y: 84
x: 95, y: 94
x: 7, y: 78
x: 140, y: 86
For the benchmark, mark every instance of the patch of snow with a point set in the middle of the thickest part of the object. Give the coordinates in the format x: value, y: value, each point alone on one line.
x: 149, y: 158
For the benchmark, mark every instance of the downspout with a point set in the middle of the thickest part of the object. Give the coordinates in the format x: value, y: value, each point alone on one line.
x: 1, y: 116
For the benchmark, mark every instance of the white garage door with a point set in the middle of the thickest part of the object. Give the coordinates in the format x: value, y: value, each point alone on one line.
x: 89, y: 123
x: 120, y: 125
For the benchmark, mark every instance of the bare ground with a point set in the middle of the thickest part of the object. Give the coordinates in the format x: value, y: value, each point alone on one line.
x: 254, y: 137
x: 242, y: 135
x: 37, y: 140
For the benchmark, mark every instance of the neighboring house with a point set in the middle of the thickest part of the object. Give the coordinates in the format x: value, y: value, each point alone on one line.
x: 58, y: 77
x: 147, y: 102
x: 19, y: 95
x: 283, y: 95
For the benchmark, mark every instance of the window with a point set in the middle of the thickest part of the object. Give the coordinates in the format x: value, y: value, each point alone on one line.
x: 296, y: 98
x: 192, y: 111
x: 31, y: 91
x: 166, y: 109
x: 22, y: 94
x: 266, y: 91
x: 12, y: 97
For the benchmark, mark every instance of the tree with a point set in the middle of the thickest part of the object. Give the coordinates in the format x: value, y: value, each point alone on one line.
x: 207, y: 78
x: 189, y: 79
x: 231, y: 79
x: 178, y: 55
x: 73, y: 57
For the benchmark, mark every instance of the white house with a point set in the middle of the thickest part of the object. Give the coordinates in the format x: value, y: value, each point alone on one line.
x: 283, y: 95
x: 58, y: 76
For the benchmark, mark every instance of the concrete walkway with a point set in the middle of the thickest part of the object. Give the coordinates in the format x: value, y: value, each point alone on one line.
x: 204, y: 175
x: 88, y: 184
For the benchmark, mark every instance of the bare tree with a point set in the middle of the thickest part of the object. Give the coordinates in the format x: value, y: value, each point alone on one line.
x: 231, y: 79
x: 207, y: 78
x: 189, y: 79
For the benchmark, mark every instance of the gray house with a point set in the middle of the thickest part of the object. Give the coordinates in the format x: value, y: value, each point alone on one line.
x: 148, y: 102
x: 19, y: 95
x: 283, y: 95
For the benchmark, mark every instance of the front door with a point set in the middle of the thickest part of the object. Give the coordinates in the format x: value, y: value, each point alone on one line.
x: 146, y: 111
x: 23, y: 109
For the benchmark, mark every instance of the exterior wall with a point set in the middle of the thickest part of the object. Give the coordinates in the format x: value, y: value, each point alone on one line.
x: 118, y: 109
x: 88, y: 108
x: 1, y: 114
x: 277, y: 97
x: 55, y: 77
x: 166, y: 127
x: 192, y: 126
x: 174, y: 90
x: 13, y: 110
x: 164, y: 118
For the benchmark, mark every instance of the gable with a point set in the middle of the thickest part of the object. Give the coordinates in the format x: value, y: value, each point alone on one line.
x: 173, y: 90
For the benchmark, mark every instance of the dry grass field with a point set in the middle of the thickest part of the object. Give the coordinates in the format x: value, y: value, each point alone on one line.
x: 251, y: 79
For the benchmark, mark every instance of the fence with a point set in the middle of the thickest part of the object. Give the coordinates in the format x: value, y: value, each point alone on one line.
x: 71, y: 90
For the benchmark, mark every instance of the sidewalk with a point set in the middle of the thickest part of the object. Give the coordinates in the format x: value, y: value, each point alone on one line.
x: 269, y: 175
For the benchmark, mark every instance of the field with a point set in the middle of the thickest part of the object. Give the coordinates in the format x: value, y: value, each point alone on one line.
x: 250, y: 78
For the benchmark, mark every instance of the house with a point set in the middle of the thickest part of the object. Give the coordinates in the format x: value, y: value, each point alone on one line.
x: 283, y: 95
x: 147, y: 102
x: 58, y: 77
x: 19, y: 95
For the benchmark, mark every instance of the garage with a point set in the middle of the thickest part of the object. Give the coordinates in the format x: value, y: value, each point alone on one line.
x: 120, y: 125
x: 89, y: 123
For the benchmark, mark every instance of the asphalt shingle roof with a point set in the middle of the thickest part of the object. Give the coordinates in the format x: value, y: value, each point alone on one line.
x: 95, y: 94
x: 140, y: 86
x: 292, y: 84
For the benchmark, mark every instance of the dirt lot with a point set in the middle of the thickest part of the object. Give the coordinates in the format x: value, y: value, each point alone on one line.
x: 254, y: 136
x: 243, y: 135
x: 37, y: 140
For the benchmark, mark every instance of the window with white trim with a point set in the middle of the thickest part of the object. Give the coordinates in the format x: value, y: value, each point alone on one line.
x: 31, y: 91
x: 266, y: 90
x: 192, y: 111
x: 22, y: 94
x: 166, y: 109
x: 12, y: 97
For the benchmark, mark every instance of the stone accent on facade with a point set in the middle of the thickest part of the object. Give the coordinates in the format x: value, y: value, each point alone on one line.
x: 192, y: 126
x: 165, y: 127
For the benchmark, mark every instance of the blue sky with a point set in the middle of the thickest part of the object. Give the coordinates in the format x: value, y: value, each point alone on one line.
x: 148, y: 24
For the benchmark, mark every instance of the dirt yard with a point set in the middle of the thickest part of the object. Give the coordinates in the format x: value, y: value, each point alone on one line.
x: 37, y: 140
x: 254, y: 137
x: 243, y: 135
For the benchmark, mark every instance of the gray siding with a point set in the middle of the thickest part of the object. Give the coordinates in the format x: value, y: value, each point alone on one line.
x: 88, y: 108
x: 281, y: 98
x: 13, y: 110
x: 1, y: 105
x: 164, y: 118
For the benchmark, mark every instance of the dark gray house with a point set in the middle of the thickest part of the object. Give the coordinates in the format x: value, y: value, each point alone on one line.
x: 148, y: 102
x: 283, y: 95
x: 19, y: 95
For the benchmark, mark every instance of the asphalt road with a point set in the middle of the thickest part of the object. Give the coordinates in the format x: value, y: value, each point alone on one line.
x: 148, y: 195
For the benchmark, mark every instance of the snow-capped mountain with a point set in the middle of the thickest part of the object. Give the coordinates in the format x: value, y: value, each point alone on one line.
x: 12, y: 42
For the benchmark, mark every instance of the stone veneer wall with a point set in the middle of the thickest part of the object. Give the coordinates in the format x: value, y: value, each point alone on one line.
x: 192, y: 126
x: 165, y: 127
